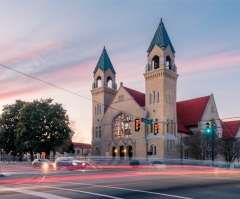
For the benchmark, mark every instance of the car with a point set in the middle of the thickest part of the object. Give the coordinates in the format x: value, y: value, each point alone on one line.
x: 134, y: 163
x: 69, y: 163
x: 41, y: 163
x: 158, y: 164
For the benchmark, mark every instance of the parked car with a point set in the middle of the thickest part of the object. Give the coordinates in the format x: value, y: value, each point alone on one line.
x: 158, y: 164
x: 134, y: 163
x: 41, y: 163
x: 69, y: 163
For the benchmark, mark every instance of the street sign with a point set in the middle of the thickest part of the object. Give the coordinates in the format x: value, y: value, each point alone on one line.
x: 145, y: 120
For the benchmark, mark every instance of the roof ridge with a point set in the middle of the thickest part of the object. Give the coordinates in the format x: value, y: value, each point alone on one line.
x: 133, y: 90
x: 194, y: 98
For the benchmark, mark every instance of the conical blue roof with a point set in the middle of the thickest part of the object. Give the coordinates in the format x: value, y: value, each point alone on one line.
x: 161, y: 38
x: 104, y: 62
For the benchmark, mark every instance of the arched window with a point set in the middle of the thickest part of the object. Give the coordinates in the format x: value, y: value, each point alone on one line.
x: 153, y: 149
x: 99, y: 82
x: 96, y: 132
x: 122, y: 125
x: 171, y: 127
x: 167, y: 126
x: 150, y: 98
x: 99, y: 132
x: 158, y: 97
x: 155, y: 62
x: 97, y: 109
x: 98, y: 152
x: 109, y: 82
x: 154, y: 97
x: 168, y: 63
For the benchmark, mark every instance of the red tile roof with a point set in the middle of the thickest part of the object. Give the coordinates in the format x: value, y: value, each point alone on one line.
x: 190, y: 111
x: 230, y: 128
x: 181, y: 127
x: 81, y: 145
x: 138, y: 96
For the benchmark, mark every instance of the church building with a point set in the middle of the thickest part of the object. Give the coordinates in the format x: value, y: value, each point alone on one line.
x: 127, y: 123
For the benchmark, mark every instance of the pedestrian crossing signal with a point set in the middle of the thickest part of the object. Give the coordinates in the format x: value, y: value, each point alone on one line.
x: 156, y: 128
x: 137, y: 124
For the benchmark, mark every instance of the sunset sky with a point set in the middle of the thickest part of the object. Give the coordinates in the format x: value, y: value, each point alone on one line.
x: 60, y: 42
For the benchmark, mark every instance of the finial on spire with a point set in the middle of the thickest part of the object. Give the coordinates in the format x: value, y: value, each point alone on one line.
x: 161, y: 21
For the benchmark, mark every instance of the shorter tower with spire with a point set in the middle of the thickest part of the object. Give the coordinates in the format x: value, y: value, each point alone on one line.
x: 104, y: 89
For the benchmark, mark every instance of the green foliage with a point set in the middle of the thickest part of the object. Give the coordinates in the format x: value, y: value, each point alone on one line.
x: 8, y: 122
x: 35, y: 126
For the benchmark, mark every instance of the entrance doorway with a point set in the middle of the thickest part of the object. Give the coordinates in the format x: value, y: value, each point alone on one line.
x: 122, y: 152
x: 130, y: 151
x: 114, y: 152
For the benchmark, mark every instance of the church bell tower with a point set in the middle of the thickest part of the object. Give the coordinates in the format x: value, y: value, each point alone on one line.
x: 104, y: 89
x: 161, y: 89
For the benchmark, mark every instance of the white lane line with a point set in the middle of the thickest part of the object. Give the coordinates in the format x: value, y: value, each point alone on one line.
x: 34, y: 193
x: 72, y: 190
x: 134, y: 190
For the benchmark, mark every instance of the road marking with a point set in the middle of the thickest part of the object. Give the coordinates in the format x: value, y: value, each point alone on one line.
x: 134, y: 190
x: 71, y: 190
x: 34, y: 193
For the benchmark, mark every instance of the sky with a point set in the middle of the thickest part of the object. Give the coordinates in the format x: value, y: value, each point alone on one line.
x: 60, y: 42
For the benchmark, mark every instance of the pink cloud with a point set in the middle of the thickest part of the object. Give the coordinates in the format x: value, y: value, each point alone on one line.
x: 33, y: 54
x: 210, y: 62
x: 67, y: 78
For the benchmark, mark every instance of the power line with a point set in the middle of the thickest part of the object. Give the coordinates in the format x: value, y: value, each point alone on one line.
x: 43, y: 81
x: 35, y: 78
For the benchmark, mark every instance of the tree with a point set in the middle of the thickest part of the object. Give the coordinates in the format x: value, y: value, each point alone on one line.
x: 42, y: 126
x: 8, y: 122
x: 200, y: 145
x: 229, y: 148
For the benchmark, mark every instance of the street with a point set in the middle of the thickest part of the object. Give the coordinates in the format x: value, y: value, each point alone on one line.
x: 169, y: 183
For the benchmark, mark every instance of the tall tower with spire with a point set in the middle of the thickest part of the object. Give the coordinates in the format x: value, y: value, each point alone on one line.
x: 104, y: 88
x: 160, y: 94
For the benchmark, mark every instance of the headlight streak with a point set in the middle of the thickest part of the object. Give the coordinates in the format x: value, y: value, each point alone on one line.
x: 133, y: 173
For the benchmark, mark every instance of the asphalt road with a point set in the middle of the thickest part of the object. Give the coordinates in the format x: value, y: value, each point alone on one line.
x: 122, y: 183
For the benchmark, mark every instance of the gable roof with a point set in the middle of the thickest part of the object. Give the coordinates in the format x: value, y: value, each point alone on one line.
x: 230, y: 128
x: 104, y: 62
x: 190, y: 111
x: 181, y: 127
x: 138, y: 96
x: 161, y: 38
x: 81, y: 145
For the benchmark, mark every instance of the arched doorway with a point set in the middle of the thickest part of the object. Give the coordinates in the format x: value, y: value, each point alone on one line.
x: 122, y: 152
x: 114, y: 152
x: 130, y: 152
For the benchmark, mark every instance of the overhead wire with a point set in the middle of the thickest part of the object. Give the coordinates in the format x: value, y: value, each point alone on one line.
x: 76, y: 94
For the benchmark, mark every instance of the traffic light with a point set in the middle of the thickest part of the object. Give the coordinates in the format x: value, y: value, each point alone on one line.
x: 137, y: 124
x: 209, y: 127
x: 156, y: 128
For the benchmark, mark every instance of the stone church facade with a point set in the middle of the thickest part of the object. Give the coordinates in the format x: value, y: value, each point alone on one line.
x: 116, y: 112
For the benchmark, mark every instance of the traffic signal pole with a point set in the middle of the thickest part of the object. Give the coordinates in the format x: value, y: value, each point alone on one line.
x: 213, y: 139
